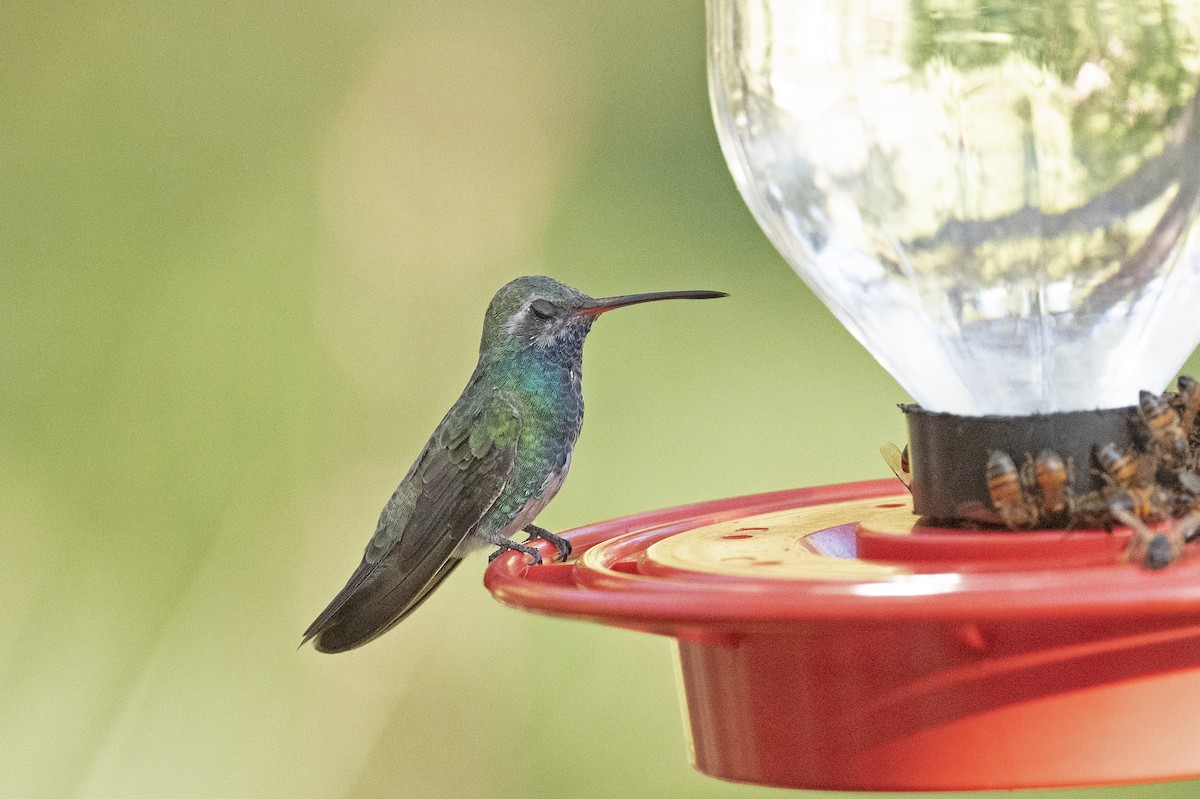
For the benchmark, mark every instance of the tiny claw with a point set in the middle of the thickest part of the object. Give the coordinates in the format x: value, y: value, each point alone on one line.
x: 561, y: 544
x: 558, y: 542
x: 535, y: 557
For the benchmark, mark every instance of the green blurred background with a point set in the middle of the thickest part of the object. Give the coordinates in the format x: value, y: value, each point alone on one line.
x: 244, y: 257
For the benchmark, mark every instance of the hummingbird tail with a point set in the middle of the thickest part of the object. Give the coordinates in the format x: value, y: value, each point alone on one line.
x: 366, y: 609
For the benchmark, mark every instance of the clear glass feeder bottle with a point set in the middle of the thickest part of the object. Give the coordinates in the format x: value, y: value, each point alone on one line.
x: 997, y: 199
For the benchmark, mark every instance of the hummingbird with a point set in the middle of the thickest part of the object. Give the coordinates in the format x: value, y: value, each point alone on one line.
x: 494, y: 462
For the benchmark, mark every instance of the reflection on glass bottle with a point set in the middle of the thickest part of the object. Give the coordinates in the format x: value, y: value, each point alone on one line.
x: 997, y: 199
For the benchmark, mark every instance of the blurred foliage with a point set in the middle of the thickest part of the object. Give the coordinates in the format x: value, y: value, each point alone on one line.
x: 244, y: 255
x: 1136, y: 83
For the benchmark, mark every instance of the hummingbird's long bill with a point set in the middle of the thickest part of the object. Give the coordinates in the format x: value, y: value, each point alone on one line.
x: 599, y: 306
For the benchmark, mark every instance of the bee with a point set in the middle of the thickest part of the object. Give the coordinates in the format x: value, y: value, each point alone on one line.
x: 1165, y: 427
x: 1153, y: 550
x: 1149, y: 503
x: 1126, y: 469
x: 1187, y: 498
x: 1053, y: 479
x: 897, y: 461
x: 1188, y: 528
x: 1187, y: 404
x: 1090, y: 511
x: 1148, y: 549
x: 1007, y: 490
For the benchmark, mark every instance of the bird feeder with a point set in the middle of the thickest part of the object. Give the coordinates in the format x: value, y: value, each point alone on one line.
x: 999, y: 203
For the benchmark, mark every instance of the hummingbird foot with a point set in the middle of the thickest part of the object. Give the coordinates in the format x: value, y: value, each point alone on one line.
x: 561, y: 544
x: 506, y: 545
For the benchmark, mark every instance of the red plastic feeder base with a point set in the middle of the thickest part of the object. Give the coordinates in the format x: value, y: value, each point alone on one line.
x: 826, y: 642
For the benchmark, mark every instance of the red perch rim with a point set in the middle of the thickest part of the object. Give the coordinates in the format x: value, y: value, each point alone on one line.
x: 825, y: 641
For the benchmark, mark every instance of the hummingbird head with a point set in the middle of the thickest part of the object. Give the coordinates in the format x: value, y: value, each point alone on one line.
x: 537, y: 312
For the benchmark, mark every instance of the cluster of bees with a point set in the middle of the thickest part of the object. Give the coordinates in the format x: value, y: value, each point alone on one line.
x: 1155, y: 481
x: 1040, y: 491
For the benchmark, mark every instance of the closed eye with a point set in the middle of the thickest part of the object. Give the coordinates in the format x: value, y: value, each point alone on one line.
x: 543, y: 309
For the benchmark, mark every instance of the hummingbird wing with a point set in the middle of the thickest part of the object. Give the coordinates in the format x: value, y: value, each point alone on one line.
x: 454, y: 483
